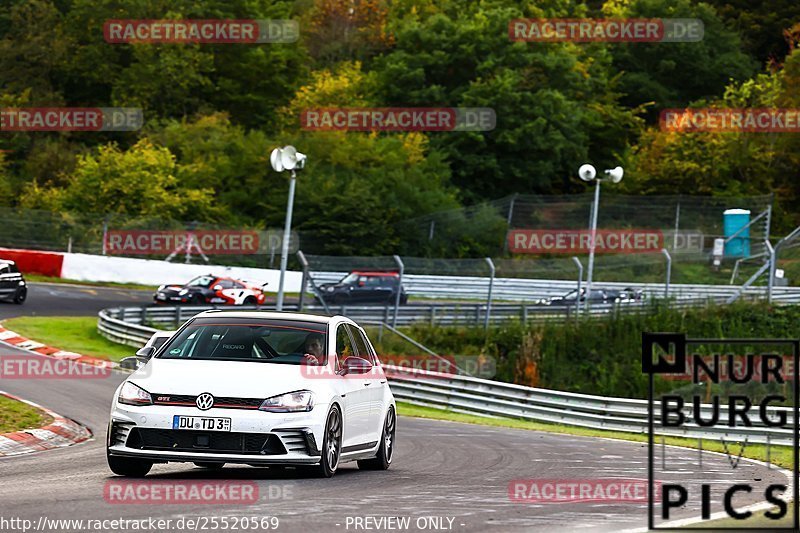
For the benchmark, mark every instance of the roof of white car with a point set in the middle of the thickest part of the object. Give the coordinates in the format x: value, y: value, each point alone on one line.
x: 270, y: 315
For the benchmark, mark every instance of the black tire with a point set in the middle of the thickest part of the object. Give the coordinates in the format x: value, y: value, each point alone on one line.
x: 125, y: 466
x: 340, y: 299
x: 197, y: 299
x: 21, y: 296
x: 386, y: 448
x: 210, y: 466
x: 250, y: 300
x: 403, y: 299
x: 331, y: 445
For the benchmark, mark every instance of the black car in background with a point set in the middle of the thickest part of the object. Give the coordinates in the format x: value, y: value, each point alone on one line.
x: 12, y: 283
x: 363, y: 287
x: 598, y: 296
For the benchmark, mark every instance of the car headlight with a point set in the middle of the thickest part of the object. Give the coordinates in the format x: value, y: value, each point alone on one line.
x: 329, y: 289
x: 131, y: 394
x: 183, y: 292
x: 22, y: 283
x: 291, y: 402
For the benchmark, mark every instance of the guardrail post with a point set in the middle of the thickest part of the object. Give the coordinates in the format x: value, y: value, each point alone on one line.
x: 433, y: 316
x: 143, y: 319
x: 489, y: 298
x: 669, y: 272
x: 178, y: 316
x: 580, y: 277
x: 401, y: 266
x: 302, y: 258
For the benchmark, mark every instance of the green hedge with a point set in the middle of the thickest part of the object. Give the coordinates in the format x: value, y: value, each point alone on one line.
x: 597, y: 356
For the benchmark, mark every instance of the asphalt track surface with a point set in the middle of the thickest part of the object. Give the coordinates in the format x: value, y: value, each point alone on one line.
x: 441, y: 469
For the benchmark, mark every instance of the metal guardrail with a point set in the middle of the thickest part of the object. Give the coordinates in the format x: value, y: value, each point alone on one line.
x: 492, y: 398
x: 434, y: 314
x: 523, y: 289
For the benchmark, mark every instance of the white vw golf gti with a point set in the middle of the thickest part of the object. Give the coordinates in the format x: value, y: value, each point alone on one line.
x: 257, y: 388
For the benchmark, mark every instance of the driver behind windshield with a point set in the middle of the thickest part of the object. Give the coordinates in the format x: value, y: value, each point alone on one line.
x: 313, y: 349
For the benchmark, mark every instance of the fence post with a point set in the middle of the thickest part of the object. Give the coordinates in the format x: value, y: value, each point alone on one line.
x: 401, y: 266
x: 179, y: 317
x: 669, y: 272
x: 302, y: 258
x: 489, y: 298
x: 580, y: 277
x: 773, y: 256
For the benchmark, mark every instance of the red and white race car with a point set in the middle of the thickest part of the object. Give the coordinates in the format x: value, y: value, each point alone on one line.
x: 210, y: 289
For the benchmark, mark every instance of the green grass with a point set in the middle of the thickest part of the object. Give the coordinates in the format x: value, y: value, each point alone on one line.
x: 74, y: 334
x: 779, y: 455
x: 15, y: 416
x: 47, y: 279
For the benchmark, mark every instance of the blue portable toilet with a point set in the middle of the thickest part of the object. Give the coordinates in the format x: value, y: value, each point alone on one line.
x: 733, y: 221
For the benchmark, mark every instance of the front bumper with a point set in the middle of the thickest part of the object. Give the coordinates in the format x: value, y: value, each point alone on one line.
x: 256, y: 437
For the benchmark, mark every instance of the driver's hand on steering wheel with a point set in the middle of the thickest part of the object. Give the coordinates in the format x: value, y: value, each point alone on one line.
x: 311, y: 359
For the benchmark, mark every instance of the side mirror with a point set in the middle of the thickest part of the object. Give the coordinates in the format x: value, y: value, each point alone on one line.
x: 356, y: 365
x: 132, y: 363
x: 216, y: 288
x: 145, y: 353
x: 362, y: 283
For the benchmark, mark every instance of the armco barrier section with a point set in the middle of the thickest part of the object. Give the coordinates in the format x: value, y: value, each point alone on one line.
x: 439, y: 314
x: 494, y: 398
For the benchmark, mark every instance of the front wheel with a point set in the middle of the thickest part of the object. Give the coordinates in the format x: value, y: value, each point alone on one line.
x: 250, y: 300
x: 386, y: 449
x: 331, y: 445
x: 126, y: 466
x: 21, y: 295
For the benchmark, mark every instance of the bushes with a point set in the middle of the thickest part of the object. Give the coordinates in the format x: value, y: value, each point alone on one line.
x: 600, y: 356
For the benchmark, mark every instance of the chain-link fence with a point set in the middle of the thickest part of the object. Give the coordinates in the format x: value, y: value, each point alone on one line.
x: 482, y: 230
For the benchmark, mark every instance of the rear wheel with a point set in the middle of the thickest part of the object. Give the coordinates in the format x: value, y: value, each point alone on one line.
x: 210, y: 466
x: 197, y: 299
x: 21, y: 295
x: 331, y: 445
x: 386, y: 449
x: 126, y: 466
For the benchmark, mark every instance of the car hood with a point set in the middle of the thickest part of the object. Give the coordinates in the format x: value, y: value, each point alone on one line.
x: 220, y: 378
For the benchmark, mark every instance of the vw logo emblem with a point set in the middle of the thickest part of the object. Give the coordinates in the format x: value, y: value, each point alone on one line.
x: 205, y: 401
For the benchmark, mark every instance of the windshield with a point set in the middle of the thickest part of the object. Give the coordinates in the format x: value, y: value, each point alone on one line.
x: 201, y: 281
x: 266, y: 341
x: 350, y: 279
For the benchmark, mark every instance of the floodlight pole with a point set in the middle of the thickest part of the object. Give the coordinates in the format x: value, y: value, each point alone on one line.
x: 287, y: 228
x: 592, y: 243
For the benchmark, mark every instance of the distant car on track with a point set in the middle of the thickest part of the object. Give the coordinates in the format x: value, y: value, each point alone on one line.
x: 210, y: 289
x: 361, y: 287
x: 257, y: 388
x: 12, y: 283
x: 598, y: 296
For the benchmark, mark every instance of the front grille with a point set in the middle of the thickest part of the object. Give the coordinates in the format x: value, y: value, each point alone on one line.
x: 119, y: 433
x: 205, y: 441
x: 221, y: 402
